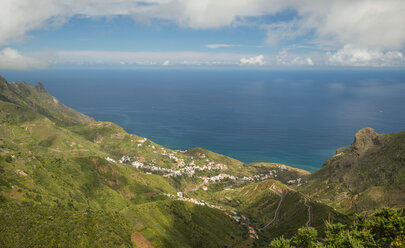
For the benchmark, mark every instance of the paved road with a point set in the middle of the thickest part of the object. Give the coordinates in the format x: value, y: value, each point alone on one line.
x: 277, y: 210
x: 307, y: 203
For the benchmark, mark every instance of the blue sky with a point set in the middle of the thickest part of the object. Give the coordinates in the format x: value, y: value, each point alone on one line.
x: 206, y: 33
x: 122, y: 33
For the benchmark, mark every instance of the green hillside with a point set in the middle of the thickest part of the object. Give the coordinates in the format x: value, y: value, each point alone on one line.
x: 37, y: 99
x: 56, y: 184
x: 259, y: 203
x: 367, y: 175
x: 67, y: 180
x: 62, y: 173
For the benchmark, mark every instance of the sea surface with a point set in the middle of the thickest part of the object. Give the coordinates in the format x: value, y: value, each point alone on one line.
x: 294, y: 117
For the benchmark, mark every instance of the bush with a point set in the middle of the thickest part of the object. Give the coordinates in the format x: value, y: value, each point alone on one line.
x: 385, y: 228
x: 9, y: 159
x: 305, y: 237
x: 280, y: 242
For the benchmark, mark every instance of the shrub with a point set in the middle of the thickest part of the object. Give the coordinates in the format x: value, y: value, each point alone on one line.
x: 385, y: 228
x: 280, y: 242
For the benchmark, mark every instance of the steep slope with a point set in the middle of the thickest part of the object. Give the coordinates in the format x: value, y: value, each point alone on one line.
x: 56, y: 162
x: 40, y: 101
x: 272, y: 209
x: 367, y: 175
x: 58, y: 188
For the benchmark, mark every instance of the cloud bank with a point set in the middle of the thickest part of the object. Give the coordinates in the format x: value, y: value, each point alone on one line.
x: 354, y: 56
x: 87, y: 57
x: 348, y: 56
x: 257, y: 60
x: 215, y: 46
x: 139, y: 59
x: 12, y: 59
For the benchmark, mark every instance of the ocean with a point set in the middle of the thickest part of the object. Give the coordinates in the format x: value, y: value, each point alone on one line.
x: 298, y: 118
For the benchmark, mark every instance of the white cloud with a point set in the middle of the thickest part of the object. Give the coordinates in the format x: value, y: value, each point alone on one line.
x: 257, y: 60
x: 12, y: 59
x: 285, y: 58
x: 95, y: 58
x: 215, y: 46
x: 309, y: 61
x: 373, y: 24
x: 349, y: 56
x: 365, y: 23
x: 354, y: 56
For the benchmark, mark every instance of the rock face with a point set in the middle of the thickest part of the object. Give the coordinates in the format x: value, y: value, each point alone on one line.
x: 364, y: 140
x: 3, y: 83
x: 40, y: 87
x: 364, y: 176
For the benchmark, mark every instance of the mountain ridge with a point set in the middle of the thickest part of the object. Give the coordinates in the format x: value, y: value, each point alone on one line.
x: 74, y: 165
x: 371, y: 167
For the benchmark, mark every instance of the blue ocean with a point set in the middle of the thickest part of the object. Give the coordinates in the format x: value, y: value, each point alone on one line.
x: 294, y: 117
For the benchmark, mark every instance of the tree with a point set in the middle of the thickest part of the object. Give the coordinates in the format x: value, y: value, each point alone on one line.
x: 385, y: 228
x: 305, y: 237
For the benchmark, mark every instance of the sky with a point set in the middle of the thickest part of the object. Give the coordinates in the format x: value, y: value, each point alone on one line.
x: 249, y: 34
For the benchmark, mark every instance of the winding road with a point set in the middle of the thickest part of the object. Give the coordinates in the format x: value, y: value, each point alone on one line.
x: 307, y: 203
x: 277, y: 210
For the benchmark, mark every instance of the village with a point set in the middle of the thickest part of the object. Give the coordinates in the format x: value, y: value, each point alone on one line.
x: 189, y: 169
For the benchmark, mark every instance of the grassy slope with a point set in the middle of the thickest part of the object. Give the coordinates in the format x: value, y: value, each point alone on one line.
x: 200, y: 226
x: 22, y: 94
x: 56, y: 186
x: 259, y: 204
x: 354, y: 181
x: 53, y: 182
x: 52, y: 165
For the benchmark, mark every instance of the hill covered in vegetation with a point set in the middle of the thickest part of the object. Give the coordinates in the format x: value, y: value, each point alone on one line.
x: 67, y: 180
x: 365, y: 176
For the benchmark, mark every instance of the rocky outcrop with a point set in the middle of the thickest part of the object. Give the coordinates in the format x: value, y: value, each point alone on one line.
x: 364, y: 176
x: 3, y: 83
x: 365, y: 139
x: 40, y: 87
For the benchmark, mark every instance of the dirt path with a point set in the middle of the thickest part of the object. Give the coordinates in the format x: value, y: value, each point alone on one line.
x: 12, y: 131
x: 282, y: 196
x: 189, y: 188
x: 73, y: 150
x: 307, y: 203
x: 140, y: 241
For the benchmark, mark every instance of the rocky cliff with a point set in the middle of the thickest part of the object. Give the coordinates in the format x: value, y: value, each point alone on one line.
x: 368, y: 174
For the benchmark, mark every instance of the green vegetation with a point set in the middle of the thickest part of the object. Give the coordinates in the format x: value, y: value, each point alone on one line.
x: 176, y: 223
x: 38, y: 100
x: 67, y: 180
x: 367, y: 175
x: 58, y: 190
x: 384, y: 228
x: 27, y: 224
x: 259, y: 202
